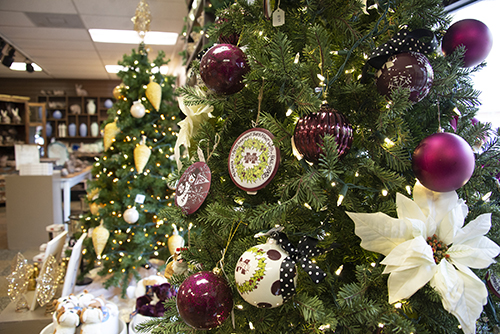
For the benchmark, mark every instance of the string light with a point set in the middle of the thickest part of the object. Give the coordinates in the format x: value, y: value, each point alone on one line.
x: 384, y: 192
x: 339, y: 270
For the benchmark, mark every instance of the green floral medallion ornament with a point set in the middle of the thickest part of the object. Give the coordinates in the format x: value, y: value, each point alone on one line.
x: 253, y: 160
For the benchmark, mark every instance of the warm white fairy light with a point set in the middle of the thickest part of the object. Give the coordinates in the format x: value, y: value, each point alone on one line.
x: 340, y: 200
x: 333, y: 184
x: 373, y: 264
x: 239, y: 307
x: 486, y: 197
x: 251, y: 325
x: 289, y: 112
x: 408, y: 189
x: 384, y: 192
x: 389, y: 143
x: 339, y: 270
x: 307, y: 206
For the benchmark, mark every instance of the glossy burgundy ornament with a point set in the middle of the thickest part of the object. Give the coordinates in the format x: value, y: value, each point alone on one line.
x: 222, y: 68
x: 443, y: 162
x: 474, y: 35
x: 204, y: 300
x: 409, y: 70
x: 311, y: 129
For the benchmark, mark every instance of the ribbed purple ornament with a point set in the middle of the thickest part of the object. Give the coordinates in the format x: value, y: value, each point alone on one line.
x: 204, y: 300
x: 311, y: 129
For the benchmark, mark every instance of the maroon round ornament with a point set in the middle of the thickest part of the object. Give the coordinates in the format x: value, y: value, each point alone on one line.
x: 193, y: 187
x: 204, y: 300
x: 474, y: 35
x: 408, y: 70
x: 443, y: 162
x: 222, y: 68
x: 310, y: 130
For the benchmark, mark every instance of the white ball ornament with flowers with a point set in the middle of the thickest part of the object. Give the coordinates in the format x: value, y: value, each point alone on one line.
x: 258, y: 275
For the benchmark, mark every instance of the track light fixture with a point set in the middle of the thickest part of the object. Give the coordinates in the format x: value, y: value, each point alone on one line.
x: 9, y: 58
x: 29, y: 67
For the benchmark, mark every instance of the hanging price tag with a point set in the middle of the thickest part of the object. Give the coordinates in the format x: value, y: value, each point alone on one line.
x: 140, y: 198
x: 278, y: 17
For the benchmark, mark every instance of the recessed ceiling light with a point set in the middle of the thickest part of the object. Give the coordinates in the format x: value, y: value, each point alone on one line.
x: 114, y: 68
x: 131, y: 37
x: 21, y: 66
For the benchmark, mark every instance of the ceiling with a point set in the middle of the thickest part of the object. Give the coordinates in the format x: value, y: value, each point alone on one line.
x: 60, y: 42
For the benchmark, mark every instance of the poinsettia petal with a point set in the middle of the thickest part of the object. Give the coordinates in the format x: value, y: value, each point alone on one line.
x: 462, y: 294
x: 411, y: 266
x: 477, y: 227
x: 408, y: 209
x: 474, y: 253
x: 434, y: 204
x: 379, y: 232
x: 419, y: 228
x: 450, y: 224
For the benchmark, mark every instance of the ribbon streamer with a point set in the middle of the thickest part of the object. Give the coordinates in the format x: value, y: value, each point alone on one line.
x: 404, y: 41
x: 195, y: 115
x: 306, y: 249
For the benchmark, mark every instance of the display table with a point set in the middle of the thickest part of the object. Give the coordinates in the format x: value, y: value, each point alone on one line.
x: 67, y: 182
x: 23, y: 322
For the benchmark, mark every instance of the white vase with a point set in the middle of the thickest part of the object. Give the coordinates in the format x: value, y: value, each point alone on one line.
x: 61, y: 130
x: 91, y: 107
x: 94, y: 129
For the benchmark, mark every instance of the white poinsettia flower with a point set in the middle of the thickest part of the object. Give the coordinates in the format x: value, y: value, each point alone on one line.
x: 428, y: 242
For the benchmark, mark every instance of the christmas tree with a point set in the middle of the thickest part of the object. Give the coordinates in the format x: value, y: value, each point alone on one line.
x: 129, y: 186
x: 308, y: 136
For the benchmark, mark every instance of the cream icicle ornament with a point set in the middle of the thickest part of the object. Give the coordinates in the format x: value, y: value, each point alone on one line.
x: 429, y: 243
x: 175, y: 241
x: 100, y: 237
x: 195, y: 115
x: 141, y: 155
x: 110, y: 132
x: 153, y: 93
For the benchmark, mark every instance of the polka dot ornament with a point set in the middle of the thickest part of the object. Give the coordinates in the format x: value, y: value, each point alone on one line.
x: 259, y: 278
x: 404, y: 41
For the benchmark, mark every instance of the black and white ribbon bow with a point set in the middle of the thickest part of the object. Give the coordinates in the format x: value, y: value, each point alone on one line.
x: 404, y: 41
x: 306, y: 249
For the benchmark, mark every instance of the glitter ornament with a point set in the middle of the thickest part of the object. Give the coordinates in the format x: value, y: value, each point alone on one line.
x: 110, y: 132
x: 118, y: 91
x: 100, y: 237
x: 311, y: 129
x: 137, y: 109
x: 474, y: 35
x: 222, y: 68
x: 410, y: 70
x: 131, y: 215
x: 204, y: 300
x: 257, y: 275
x: 141, y: 155
x: 153, y: 93
x: 443, y: 162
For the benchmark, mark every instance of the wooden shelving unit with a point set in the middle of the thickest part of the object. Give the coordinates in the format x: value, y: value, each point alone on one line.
x: 73, y: 110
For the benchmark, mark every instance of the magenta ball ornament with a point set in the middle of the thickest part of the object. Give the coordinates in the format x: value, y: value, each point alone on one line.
x: 222, y: 68
x: 410, y: 70
x: 443, y: 162
x: 311, y: 129
x: 204, y: 300
x: 474, y: 35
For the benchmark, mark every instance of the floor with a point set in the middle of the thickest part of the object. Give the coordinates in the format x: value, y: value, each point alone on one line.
x: 7, y: 255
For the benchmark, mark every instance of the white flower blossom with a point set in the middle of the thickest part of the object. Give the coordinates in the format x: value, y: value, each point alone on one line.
x: 428, y: 242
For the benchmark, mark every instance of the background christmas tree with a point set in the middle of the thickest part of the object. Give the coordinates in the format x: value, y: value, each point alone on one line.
x: 320, y: 54
x: 119, y: 179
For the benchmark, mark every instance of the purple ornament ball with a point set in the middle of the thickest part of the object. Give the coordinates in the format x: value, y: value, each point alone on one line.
x: 310, y: 130
x: 222, y: 68
x: 474, y: 35
x: 204, y: 300
x: 443, y: 162
x: 408, y: 70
